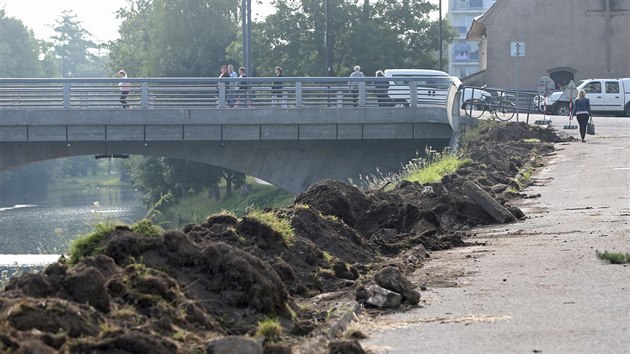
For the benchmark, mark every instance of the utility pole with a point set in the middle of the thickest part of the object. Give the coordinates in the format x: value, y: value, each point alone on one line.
x: 246, y: 24
x: 327, y: 40
x: 440, y: 21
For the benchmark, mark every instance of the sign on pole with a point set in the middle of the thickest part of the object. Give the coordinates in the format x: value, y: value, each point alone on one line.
x: 517, y: 49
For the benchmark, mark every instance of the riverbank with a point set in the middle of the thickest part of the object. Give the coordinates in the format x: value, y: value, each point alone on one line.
x: 273, y: 278
x: 535, y: 286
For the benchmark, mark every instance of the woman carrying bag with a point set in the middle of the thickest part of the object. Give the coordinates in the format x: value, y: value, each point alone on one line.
x: 582, y: 110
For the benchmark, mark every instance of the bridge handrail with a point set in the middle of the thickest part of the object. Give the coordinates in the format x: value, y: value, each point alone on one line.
x: 198, y: 92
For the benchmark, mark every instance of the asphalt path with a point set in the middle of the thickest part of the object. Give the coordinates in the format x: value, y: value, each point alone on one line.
x: 536, y: 286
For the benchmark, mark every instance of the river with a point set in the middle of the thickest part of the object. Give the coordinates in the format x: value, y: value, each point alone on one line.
x: 37, y: 233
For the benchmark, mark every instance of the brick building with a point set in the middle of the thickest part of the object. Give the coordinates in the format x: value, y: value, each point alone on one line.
x: 563, y: 39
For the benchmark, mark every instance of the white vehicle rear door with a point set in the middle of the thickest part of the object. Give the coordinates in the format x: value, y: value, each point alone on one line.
x: 612, y: 99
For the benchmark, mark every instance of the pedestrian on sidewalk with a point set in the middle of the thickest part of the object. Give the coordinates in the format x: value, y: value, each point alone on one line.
x: 582, y: 110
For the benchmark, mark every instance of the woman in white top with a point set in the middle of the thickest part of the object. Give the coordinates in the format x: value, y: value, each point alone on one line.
x: 125, y: 86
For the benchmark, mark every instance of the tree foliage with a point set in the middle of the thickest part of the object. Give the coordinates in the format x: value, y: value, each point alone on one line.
x: 19, y: 50
x: 156, y: 176
x: 74, y: 50
x: 174, y: 37
x: 375, y: 34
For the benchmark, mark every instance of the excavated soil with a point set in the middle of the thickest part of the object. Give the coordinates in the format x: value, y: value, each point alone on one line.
x: 179, y: 291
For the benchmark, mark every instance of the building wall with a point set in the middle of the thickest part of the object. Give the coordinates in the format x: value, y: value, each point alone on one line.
x: 558, y: 35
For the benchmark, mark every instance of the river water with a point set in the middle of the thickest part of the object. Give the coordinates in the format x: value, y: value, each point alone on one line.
x: 37, y: 233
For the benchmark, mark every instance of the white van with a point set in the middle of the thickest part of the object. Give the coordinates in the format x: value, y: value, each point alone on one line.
x: 432, y: 86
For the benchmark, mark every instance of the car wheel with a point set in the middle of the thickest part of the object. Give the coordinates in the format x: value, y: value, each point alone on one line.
x: 562, y: 109
x: 628, y: 110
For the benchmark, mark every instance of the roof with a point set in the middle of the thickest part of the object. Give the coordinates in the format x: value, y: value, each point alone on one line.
x: 478, y: 27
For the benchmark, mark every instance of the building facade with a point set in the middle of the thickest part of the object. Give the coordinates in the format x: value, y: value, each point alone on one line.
x: 563, y: 39
x: 463, y: 55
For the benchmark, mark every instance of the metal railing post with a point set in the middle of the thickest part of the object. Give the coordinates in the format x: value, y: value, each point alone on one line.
x: 144, y: 95
x: 221, y: 95
x: 413, y: 94
x: 66, y: 95
x: 298, y: 94
x: 362, y: 94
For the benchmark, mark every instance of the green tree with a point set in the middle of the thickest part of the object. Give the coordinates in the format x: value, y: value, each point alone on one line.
x: 375, y: 34
x: 78, y: 166
x: 174, y: 37
x: 19, y: 50
x: 147, y: 175
x: 73, y: 48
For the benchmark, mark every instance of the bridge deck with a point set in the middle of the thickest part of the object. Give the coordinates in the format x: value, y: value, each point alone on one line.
x: 312, y: 129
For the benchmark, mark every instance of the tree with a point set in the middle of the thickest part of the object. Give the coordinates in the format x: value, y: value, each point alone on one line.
x: 74, y: 49
x: 19, y: 50
x: 175, y: 37
x: 376, y: 35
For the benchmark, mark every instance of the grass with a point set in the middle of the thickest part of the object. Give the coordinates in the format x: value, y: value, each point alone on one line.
x: 271, y: 328
x: 613, y: 257
x: 91, y: 243
x: 434, y: 171
x: 282, y: 226
x: 428, y: 169
x: 198, y: 207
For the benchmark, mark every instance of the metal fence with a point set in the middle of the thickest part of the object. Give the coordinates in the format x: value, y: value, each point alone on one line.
x: 191, y: 93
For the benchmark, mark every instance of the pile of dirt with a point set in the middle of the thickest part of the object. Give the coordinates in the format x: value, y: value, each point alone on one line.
x: 181, y: 291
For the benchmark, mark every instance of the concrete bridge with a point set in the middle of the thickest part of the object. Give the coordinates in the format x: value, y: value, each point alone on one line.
x: 308, y: 130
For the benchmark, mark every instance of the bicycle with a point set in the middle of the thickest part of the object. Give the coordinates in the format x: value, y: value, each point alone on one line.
x: 498, y: 107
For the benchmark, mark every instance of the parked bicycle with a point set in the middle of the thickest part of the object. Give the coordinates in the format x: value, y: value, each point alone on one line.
x: 498, y: 106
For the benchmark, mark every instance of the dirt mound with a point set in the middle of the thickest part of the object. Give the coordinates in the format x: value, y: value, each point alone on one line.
x: 179, y: 291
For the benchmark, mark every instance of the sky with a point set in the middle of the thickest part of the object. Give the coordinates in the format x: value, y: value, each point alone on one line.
x: 97, y: 16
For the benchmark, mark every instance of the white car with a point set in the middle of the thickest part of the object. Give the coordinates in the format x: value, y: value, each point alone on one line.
x: 432, y: 86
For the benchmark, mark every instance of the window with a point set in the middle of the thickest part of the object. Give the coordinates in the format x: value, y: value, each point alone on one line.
x: 475, y: 4
x: 593, y: 87
x: 612, y: 87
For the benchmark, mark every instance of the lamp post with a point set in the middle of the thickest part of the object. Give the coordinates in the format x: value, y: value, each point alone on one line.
x: 246, y: 24
x: 327, y: 41
x: 440, y: 22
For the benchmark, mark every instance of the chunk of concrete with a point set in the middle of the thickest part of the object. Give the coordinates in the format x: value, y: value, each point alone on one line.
x: 500, y: 213
x: 381, y: 297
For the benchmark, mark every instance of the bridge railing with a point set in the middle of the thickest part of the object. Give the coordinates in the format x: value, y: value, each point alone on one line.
x: 191, y: 93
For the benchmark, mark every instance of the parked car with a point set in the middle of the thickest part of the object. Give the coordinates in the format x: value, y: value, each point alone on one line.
x: 605, y: 95
x: 432, y: 86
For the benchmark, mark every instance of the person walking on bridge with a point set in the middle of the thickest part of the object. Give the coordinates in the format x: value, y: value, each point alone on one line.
x: 582, y: 110
x: 125, y: 87
x: 354, y: 85
x: 381, y: 90
x: 243, y: 96
x: 277, y: 93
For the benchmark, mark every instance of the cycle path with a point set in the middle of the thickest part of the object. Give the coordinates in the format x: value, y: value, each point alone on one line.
x: 536, y: 286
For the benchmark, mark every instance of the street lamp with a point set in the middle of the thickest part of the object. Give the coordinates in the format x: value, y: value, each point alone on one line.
x: 246, y: 24
x: 440, y: 21
x: 327, y: 41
